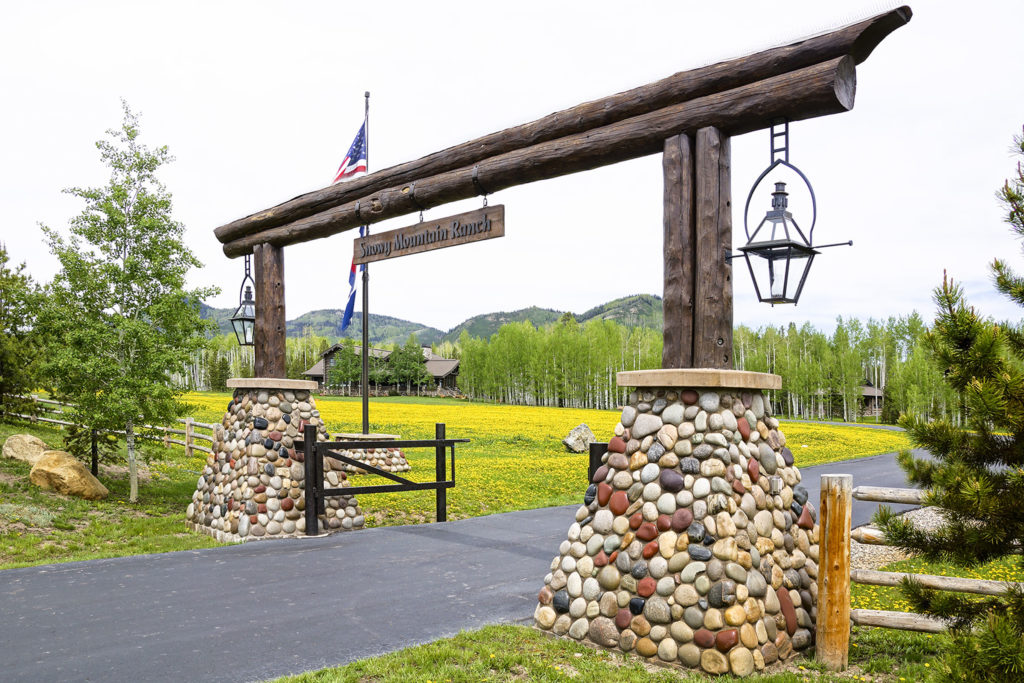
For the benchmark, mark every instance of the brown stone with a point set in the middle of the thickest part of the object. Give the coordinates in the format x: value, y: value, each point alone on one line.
x: 805, y: 521
x: 627, y: 641
x: 600, y: 559
x: 646, y: 647
x: 650, y: 550
x: 681, y: 520
x: 62, y: 472
x: 714, y: 662
x: 725, y: 640
x: 748, y: 636
x: 604, y: 493
x: 604, y: 632
x: 770, y: 653
x: 618, y: 461
x: 738, y: 487
x: 744, y: 428
x: 664, y: 523
x: 645, y: 587
x: 639, y: 625
x: 618, y: 503
x: 783, y: 645
x: 647, y: 532
x: 287, y: 504
x: 545, y: 596
x: 616, y: 445
x: 600, y: 474
x: 623, y: 618
x: 704, y: 637
x: 788, y: 611
x: 636, y: 520
x: 753, y: 467
x: 689, y: 396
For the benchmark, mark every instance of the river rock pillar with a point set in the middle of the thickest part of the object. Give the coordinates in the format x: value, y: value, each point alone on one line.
x: 695, y: 543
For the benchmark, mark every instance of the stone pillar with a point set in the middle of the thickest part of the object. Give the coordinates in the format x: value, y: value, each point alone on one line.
x: 252, y: 485
x: 695, y: 543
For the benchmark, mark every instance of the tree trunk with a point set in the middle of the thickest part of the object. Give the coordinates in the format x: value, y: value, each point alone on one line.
x: 133, y: 472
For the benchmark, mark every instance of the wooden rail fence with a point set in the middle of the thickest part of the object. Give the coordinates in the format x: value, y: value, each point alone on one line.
x: 51, y: 412
x: 835, y: 575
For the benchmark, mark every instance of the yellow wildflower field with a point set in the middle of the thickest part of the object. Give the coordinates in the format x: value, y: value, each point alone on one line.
x: 515, y: 459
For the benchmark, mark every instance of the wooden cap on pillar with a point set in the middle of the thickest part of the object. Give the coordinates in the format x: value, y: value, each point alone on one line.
x: 698, y: 377
x: 271, y: 383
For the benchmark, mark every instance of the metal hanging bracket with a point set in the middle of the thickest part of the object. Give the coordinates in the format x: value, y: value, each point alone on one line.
x: 477, y: 185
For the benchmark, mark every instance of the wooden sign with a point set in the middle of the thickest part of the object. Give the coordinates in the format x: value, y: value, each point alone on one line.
x: 474, y: 226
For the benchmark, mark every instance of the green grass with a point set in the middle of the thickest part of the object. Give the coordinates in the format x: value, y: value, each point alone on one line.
x: 41, y: 527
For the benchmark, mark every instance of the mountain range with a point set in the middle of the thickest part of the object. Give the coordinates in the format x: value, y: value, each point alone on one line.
x: 638, y: 310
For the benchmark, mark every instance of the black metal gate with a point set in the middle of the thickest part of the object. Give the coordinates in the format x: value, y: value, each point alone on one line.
x: 314, y: 453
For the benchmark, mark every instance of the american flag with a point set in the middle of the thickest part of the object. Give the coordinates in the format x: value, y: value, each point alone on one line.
x: 346, y: 319
x: 354, y: 162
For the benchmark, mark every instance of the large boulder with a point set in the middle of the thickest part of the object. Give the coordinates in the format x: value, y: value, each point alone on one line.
x: 24, y: 447
x: 579, y: 439
x: 61, y: 472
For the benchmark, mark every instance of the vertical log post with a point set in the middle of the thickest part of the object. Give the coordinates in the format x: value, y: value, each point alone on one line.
x: 95, y: 469
x: 269, y: 335
x: 441, y: 502
x: 712, y: 334
x: 679, y: 252
x: 188, y: 437
x: 311, y: 492
x: 833, y: 628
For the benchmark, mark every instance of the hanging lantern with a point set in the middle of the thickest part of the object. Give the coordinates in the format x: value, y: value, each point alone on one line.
x: 244, y: 319
x: 778, y: 252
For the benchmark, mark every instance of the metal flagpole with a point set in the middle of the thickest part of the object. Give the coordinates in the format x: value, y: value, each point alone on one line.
x: 366, y: 284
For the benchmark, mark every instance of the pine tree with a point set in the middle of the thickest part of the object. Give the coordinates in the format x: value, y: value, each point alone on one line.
x: 977, y: 474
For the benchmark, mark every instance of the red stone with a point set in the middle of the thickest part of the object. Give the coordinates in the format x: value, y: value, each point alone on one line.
x: 737, y: 486
x: 744, y: 428
x: 274, y: 436
x: 650, y: 550
x: 689, y: 397
x: 611, y: 558
x: 617, y: 445
x: 806, y: 521
x: 231, y: 462
x: 664, y: 523
x: 291, y: 452
x: 645, y: 587
x: 704, y: 638
x: 299, y: 457
x: 636, y: 520
x: 786, y: 603
x: 262, y: 507
x: 287, y: 462
x: 727, y: 639
x: 681, y: 520
x: 753, y: 469
x: 254, y: 519
x: 259, y: 489
x: 618, y: 502
x: 623, y: 618
x: 600, y: 559
x: 287, y: 504
x: 604, y: 493
x: 647, y: 532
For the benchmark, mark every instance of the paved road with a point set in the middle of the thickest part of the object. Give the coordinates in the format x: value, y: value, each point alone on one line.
x: 265, y: 609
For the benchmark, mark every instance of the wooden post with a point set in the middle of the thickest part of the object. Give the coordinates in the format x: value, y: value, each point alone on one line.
x: 441, y: 500
x: 712, y: 333
x: 269, y: 334
x: 679, y: 252
x: 188, y: 437
x: 311, y: 492
x: 833, y: 628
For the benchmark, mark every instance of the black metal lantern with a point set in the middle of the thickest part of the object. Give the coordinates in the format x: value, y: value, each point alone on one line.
x: 244, y: 319
x: 778, y: 252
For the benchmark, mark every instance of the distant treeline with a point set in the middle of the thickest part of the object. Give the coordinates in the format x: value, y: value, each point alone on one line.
x: 568, y: 364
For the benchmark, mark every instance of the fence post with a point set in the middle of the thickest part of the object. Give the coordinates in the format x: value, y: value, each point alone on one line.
x: 833, y: 628
x: 95, y: 455
x: 188, y: 437
x: 312, y: 493
x: 597, y: 449
x: 441, y: 507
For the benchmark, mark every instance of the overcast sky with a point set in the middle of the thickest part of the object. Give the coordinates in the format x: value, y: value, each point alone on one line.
x: 259, y: 101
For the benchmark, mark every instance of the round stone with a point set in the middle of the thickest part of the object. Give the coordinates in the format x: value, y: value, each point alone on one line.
x: 667, y: 650
x: 544, y: 616
x: 649, y: 473
x: 714, y: 662
x: 646, y: 647
x: 741, y: 661
x: 603, y: 631
x: 609, y: 577
x: 579, y: 628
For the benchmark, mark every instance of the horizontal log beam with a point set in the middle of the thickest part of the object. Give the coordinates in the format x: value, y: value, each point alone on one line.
x: 856, y: 40
x: 904, y: 621
x: 884, y: 494
x: 819, y: 90
x: 956, y: 584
